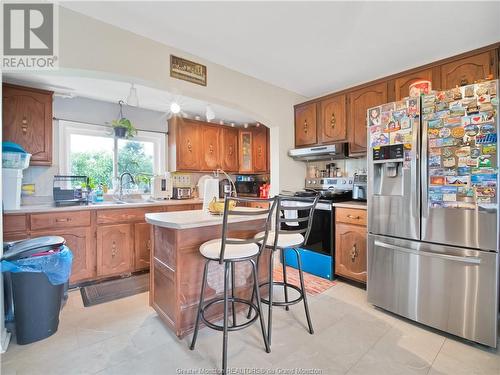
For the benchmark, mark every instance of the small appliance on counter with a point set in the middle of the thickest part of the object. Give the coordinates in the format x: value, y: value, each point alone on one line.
x: 182, y: 193
x: 14, y: 160
x: 359, y: 187
x: 225, y: 188
x: 249, y: 188
x: 70, y: 190
x: 161, y: 187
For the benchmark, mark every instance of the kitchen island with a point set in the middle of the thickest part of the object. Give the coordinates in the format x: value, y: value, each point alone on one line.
x: 177, y: 266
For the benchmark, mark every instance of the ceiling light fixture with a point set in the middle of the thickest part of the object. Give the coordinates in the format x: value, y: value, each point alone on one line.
x: 245, y: 125
x: 232, y: 124
x: 175, y: 108
x: 132, y: 98
x: 221, y: 122
x: 209, y: 113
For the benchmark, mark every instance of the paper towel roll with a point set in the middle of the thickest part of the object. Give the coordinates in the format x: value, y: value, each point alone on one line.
x: 211, y: 191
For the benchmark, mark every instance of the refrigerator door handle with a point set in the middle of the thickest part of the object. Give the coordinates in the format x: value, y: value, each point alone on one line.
x: 423, y: 171
x: 414, y: 173
x: 456, y: 258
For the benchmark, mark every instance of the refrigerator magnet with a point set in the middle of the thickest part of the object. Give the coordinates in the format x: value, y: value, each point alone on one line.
x: 412, y: 108
x: 469, y: 91
x: 437, y: 180
x: 483, y: 99
x: 494, y: 101
x: 400, y: 105
x: 435, y: 124
x: 428, y: 100
x: 475, y: 152
x: 471, y: 130
x: 434, y: 161
x: 485, y: 107
x: 389, y: 107
x: 486, y: 139
x: 462, y: 161
x: 444, y: 132
x: 449, y: 162
x: 456, y: 93
x: 484, y: 161
x: 466, y: 120
x: 489, y: 149
x: 433, y: 133
x: 435, y: 151
x: 443, y: 114
x: 457, y: 180
x: 463, y: 171
x: 453, y: 121
x: 457, y: 110
x: 440, y: 106
x: 428, y: 110
x: 374, y: 119
x: 405, y: 123
x: 482, y: 89
x: 445, y: 142
x: 457, y: 132
x: 487, y: 128
x: 465, y: 191
x: 462, y: 151
x: 471, y: 162
x: 385, y: 118
x: 485, y: 191
x: 447, y: 152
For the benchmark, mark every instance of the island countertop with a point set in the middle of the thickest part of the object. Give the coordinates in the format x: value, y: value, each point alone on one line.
x: 196, y: 218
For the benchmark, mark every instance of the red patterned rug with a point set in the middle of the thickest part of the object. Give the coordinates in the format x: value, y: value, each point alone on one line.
x: 314, y: 284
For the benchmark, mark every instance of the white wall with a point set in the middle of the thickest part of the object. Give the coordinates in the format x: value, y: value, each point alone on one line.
x: 92, y: 48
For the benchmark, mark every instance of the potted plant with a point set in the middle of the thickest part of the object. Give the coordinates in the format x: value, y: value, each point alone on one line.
x: 123, y: 126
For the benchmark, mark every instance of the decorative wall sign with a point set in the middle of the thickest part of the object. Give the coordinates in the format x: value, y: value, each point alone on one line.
x: 188, y: 70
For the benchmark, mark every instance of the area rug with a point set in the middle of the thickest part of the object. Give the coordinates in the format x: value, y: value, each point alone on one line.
x: 314, y: 284
x: 115, y: 289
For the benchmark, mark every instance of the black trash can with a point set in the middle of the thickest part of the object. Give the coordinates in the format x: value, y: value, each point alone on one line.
x: 38, y: 272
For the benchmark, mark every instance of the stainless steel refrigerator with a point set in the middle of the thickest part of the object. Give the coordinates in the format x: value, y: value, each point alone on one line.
x: 433, y: 214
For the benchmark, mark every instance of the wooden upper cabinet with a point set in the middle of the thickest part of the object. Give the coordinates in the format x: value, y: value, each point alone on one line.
x: 359, y: 102
x: 114, y: 249
x: 27, y: 121
x: 332, y: 125
x: 402, y: 83
x: 305, y: 125
x: 209, y: 148
x: 188, y: 145
x: 229, y: 149
x: 245, y: 151
x: 259, y: 149
x: 468, y: 70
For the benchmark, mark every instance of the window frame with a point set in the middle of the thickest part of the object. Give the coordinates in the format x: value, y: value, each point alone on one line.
x: 67, y: 128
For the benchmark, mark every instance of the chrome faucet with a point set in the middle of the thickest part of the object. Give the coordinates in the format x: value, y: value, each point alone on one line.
x: 120, y: 196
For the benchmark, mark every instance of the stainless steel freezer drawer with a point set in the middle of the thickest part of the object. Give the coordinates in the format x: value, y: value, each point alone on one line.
x: 449, y: 288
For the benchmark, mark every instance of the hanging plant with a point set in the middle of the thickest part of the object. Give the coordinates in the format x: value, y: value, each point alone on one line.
x: 123, y: 126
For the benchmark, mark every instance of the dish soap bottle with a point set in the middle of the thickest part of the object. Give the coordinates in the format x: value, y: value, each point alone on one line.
x: 99, y: 194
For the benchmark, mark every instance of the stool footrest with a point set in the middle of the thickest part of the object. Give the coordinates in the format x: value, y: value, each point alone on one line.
x: 283, y: 303
x: 237, y: 327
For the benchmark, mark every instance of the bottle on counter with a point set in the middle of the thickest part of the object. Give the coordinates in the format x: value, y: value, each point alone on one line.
x: 99, y: 194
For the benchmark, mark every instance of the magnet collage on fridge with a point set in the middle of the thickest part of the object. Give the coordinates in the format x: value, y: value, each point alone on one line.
x: 461, y: 127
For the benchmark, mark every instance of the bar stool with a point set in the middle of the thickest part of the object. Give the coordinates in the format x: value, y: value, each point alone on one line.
x: 228, y: 251
x: 294, y: 216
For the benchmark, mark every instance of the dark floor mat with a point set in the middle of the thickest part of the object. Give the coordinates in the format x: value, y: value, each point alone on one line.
x: 114, y: 289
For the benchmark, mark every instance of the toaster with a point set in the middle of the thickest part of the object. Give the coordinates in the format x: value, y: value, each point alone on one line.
x: 181, y: 193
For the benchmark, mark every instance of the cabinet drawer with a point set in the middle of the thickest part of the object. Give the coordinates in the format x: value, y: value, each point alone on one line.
x: 14, y: 223
x: 350, y: 216
x: 55, y: 220
x: 114, y: 216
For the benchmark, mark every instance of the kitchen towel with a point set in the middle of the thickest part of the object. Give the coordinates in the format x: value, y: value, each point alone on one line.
x: 211, y: 190
x: 291, y: 214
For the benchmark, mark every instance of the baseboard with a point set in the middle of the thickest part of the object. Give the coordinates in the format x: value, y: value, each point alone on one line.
x: 4, y: 343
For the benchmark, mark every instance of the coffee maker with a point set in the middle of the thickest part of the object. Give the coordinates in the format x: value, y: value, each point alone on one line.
x: 359, y: 187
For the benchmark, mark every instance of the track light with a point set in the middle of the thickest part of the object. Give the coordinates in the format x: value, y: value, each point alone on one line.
x: 132, y: 98
x: 175, y: 108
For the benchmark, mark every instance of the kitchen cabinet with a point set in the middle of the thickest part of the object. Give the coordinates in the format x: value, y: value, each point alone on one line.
x: 142, y: 246
x: 305, y: 125
x: 332, y: 125
x: 229, y: 149
x: 196, y: 146
x: 259, y: 147
x: 81, y: 243
x: 114, y: 249
x: 359, y: 102
x: 184, y: 145
x: 27, y: 121
x: 350, y: 243
x: 210, y: 158
x: 245, y: 151
x: 469, y: 69
x: 402, y: 83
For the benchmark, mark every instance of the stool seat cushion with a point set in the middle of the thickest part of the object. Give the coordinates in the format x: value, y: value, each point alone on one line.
x: 284, y: 239
x: 211, y: 249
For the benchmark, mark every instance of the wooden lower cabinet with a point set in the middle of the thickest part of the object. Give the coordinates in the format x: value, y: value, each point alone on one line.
x: 350, y: 251
x: 81, y: 243
x: 114, y: 249
x: 142, y: 246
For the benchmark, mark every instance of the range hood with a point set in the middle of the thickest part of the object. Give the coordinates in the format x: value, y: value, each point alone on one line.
x: 328, y: 152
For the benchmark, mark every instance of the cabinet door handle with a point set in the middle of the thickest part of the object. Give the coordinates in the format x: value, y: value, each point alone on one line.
x: 189, y: 146
x: 211, y: 149
x: 24, y: 125
x: 231, y: 150
x: 333, y: 121
x: 353, y: 217
x: 259, y: 150
x: 354, y: 253
x: 114, y: 249
x: 63, y: 220
x: 305, y: 126
x: 148, y: 245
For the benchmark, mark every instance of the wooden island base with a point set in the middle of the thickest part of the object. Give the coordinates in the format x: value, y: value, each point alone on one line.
x: 177, y: 270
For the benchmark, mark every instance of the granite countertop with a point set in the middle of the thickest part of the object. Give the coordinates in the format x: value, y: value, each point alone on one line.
x: 36, y: 208
x: 351, y: 204
x: 196, y: 218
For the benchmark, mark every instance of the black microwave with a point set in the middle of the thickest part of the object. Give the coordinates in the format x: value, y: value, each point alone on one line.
x: 248, y: 188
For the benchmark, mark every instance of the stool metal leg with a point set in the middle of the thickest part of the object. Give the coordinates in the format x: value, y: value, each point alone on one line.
x: 249, y: 315
x: 304, y: 293
x: 270, y: 312
x: 259, y: 306
x: 285, y: 289
x: 200, y: 306
x: 224, y: 338
x: 233, y: 286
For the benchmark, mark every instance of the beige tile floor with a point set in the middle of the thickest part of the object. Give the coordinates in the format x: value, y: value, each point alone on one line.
x: 352, y: 337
